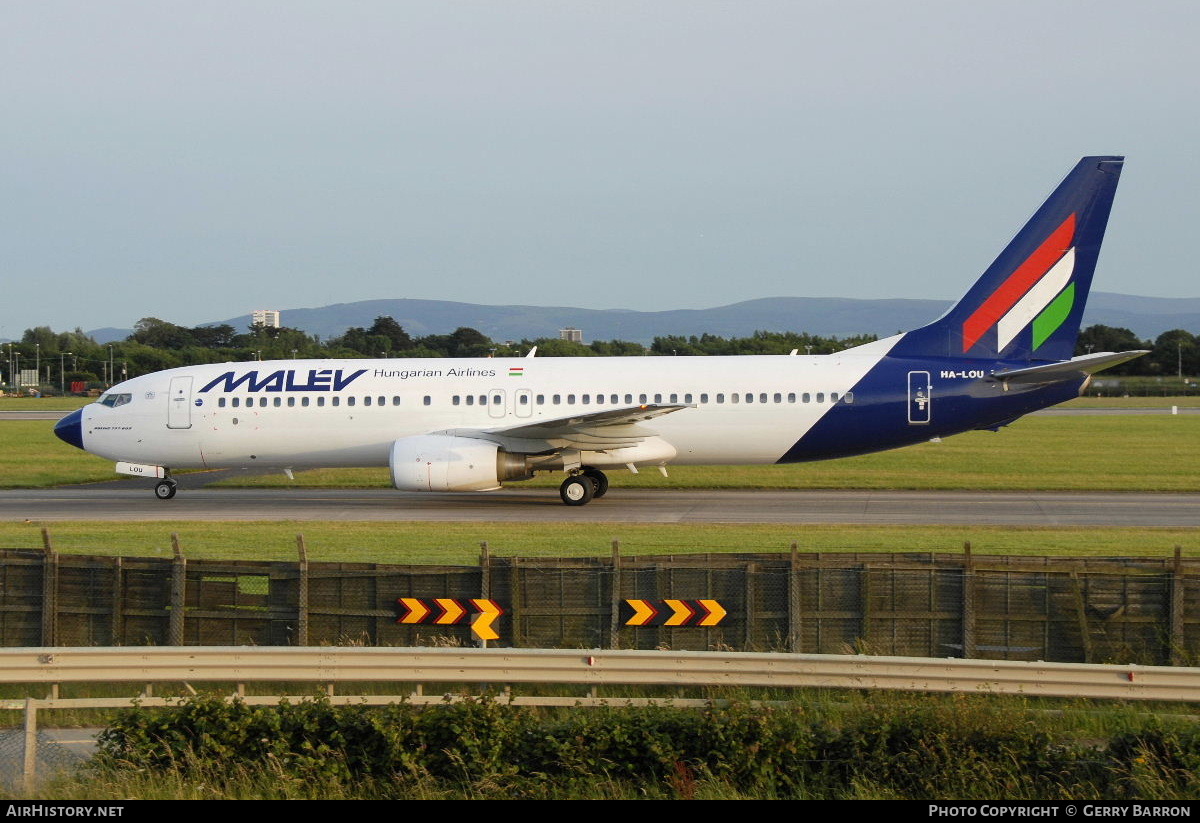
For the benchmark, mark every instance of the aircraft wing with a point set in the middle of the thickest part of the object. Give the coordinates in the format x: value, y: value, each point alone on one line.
x: 1067, y: 369
x: 592, y: 431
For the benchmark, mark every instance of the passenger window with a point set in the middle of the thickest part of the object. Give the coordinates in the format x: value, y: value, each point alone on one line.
x: 541, y: 399
x: 455, y: 400
x: 428, y: 401
x: 833, y: 397
x: 278, y: 402
x: 806, y: 397
x: 749, y: 397
x: 642, y: 399
x: 470, y: 400
x: 381, y: 401
x: 336, y: 401
x: 791, y: 397
x: 734, y: 397
x: 658, y: 398
x: 674, y: 398
x: 349, y: 401
x: 396, y: 400
x: 557, y: 399
x: 262, y: 402
x: 614, y: 399
x: 221, y: 402
x: 762, y: 398
x: 586, y: 399
x: 848, y: 397
x: 720, y: 398
x: 703, y: 397
x: 524, y: 399
x: 236, y: 402
x: 570, y: 399
x: 629, y: 399
x: 778, y: 397
x: 304, y: 401
x: 291, y: 402
x: 320, y: 402
x: 366, y: 401
x: 820, y: 397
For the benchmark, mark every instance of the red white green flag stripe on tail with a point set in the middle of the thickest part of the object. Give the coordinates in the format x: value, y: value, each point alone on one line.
x: 516, y: 371
x: 1039, y: 291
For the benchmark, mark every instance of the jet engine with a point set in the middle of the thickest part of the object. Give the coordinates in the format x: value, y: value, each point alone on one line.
x: 445, y: 463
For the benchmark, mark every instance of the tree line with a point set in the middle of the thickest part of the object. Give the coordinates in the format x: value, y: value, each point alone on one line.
x: 74, y: 357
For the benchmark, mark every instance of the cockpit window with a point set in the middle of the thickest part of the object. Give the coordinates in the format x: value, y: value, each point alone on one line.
x: 114, y: 400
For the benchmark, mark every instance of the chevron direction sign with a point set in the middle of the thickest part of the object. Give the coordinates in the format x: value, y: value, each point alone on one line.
x: 672, y: 613
x: 445, y: 611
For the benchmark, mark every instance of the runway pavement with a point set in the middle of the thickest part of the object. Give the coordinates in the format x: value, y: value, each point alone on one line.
x: 124, y: 501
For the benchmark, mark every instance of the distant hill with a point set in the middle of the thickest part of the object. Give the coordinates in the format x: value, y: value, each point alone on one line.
x: 826, y: 316
x: 109, y: 334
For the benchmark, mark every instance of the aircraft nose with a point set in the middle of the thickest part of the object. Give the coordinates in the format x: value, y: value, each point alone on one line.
x: 70, y: 429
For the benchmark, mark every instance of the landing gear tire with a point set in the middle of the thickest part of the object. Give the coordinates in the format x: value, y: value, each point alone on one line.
x: 599, y: 480
x: 165, y: 489
x: 577, y: 490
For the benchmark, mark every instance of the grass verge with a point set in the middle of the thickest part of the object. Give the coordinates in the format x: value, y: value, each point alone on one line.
x: 31, y: 457
x: 459, y: 543
x: 44, y: 403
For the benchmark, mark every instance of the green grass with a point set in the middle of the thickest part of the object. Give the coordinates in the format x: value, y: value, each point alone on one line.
x: 32, y: 457
x: 458, y: 543
x: 1148, y: 402
x: 43, y: 403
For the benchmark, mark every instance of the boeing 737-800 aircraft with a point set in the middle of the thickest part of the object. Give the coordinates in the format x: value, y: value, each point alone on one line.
x: 1002, y: 351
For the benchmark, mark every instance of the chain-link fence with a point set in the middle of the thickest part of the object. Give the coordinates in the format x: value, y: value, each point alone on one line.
x: 1127, y: 610
x: 50, y: 757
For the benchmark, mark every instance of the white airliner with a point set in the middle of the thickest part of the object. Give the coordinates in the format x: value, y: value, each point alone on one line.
x: 471, y: 425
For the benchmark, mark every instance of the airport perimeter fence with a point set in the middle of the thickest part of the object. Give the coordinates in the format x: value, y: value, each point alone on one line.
x: 955, y: 604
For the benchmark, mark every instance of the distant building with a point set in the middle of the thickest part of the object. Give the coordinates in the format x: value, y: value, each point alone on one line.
x: 574, y: 335
x: 265, y: 317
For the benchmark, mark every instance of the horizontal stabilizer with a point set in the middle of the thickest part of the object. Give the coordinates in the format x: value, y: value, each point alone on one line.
x: 1067, y: 369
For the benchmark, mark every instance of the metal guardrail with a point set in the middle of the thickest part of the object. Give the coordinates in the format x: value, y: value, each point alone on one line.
x: 593, y: 669
x: 501, y: 669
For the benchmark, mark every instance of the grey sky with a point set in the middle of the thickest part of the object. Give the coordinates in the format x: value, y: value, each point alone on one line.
x: 193, y: 161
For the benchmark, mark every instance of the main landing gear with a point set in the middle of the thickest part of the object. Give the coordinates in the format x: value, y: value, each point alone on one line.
x: 580, y: 488
x: 165, y: 489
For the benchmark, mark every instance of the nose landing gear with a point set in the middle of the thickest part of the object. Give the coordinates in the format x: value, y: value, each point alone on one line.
x: 165, y: 489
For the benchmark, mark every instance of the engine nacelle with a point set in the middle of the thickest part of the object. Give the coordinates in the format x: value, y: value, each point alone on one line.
x: 444, y: 463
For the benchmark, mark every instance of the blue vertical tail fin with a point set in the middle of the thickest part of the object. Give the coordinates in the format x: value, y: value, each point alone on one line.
x: 1029, y: 303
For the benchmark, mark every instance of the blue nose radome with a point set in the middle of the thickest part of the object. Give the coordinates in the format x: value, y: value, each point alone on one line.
x: 70, y: 429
